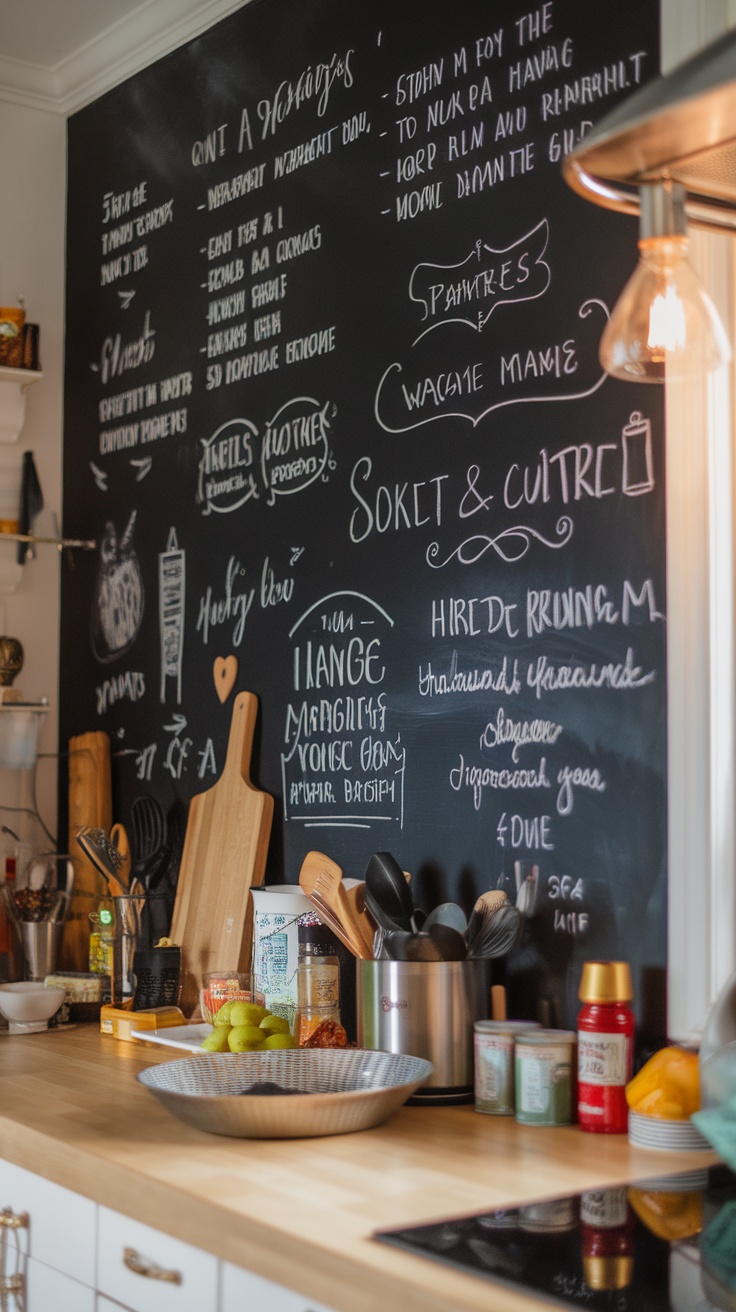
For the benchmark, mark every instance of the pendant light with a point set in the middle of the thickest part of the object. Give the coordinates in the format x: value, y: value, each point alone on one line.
x: 664, y: 322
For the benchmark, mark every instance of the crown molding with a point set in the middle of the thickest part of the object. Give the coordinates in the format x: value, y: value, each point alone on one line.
x: 153, y: 30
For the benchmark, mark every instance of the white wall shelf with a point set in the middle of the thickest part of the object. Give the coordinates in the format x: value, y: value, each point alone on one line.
x: 14, y: 384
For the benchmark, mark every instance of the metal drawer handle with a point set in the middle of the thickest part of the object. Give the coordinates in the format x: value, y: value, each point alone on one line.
x: 10, y: 1220
x: 141, y: 1267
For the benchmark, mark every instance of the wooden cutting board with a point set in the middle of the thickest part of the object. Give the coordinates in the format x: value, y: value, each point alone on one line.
x: 90, y: 803
x: 225, y: 846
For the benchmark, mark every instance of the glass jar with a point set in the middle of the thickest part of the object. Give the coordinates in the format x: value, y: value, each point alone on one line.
x: 317, y: 990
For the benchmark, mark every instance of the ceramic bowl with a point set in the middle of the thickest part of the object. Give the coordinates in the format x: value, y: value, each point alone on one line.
x: 29, y: 1005
x: 320, y: 1091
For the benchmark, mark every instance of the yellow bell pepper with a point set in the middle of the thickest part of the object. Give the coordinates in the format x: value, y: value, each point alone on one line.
x: 667, y: 1086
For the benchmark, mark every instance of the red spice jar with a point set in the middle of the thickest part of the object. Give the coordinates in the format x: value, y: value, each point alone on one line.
x: 605, y: 1046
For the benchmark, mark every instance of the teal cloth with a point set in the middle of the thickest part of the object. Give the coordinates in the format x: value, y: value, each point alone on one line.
x: 718, y: 1125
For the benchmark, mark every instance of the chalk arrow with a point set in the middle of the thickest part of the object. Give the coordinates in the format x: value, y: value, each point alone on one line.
x: 143, y: 466
x: 99, y: 475
x: 178, y: 727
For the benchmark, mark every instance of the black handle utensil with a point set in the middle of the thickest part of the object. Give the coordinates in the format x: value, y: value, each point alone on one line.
x: 388, y: 895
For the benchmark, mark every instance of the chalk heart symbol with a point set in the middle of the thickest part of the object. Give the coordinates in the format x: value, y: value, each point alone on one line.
x: 225, y: 672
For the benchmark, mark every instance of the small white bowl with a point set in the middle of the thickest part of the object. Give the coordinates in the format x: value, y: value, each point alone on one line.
x: 29, y: 1005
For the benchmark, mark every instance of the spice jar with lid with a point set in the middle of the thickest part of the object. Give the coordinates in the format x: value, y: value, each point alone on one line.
x: 605, y: 1046
x: 317, y: 989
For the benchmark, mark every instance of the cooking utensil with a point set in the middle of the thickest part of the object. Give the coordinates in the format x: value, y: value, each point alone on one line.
x: 498, y: 1002
x: 343, y: 1090
x: 388, y: 895
x: 330, y: 888
x: 320, y: 878
x: 447, y: 913
x: 149, y: 840
x: 225, y: 847
x: 449, y: 942
x: 527, y: 887
x: 119, y: 841
x: 404, y: 945
x: 498, y: 933
x: 97, y: 847
x: 485, y: 904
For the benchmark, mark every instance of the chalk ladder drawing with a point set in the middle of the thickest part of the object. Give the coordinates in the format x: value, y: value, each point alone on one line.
x: 171, y: 599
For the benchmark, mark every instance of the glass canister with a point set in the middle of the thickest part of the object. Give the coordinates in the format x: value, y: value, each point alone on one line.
x: 317, y: 990
x: 495, y: 1083
x: 605, y: 1046
x: 544, y: 1062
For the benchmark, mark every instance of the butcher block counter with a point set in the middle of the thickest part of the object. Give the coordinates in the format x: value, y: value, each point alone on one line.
x: 299, y: 1212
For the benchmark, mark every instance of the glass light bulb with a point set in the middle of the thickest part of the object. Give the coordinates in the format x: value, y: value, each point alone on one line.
x: 664, y: 322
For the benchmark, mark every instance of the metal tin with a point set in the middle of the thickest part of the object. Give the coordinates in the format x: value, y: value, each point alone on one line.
x: 426, y: 1009
x: 544, y: 1064
x: 494, y: 1044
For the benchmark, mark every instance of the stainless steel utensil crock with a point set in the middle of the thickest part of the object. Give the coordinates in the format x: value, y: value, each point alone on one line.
x: 426, y: 1009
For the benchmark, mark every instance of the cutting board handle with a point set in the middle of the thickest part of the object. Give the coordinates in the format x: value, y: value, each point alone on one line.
x: 240, y: 741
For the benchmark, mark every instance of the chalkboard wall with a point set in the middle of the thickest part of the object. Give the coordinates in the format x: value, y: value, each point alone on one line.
x: 336, y: 421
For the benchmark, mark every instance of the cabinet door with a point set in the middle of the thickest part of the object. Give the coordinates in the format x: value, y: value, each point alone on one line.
x: 47, y: 1289
x: 62, y: 1225
x: 244, y: 1292
x: 148, y: 1271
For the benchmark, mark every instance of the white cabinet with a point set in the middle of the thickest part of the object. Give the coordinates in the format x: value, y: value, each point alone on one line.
x: 47, y: 1289
x: 62, y: 1225
x: 78, y: 1257
x: 149, y: 1271
x: 244, y: 1292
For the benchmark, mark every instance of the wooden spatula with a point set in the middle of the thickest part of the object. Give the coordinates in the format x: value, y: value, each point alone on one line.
x: 321, y: 879
x: 334, y: 894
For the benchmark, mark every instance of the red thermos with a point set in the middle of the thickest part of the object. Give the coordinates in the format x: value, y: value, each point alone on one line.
x: 605, y: 1046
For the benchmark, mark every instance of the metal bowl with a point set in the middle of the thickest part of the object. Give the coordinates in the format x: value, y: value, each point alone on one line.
x: 335, y: 1091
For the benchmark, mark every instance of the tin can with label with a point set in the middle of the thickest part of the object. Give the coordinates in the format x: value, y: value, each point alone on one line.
x: 494, y: 1044
x: 544, y: 1062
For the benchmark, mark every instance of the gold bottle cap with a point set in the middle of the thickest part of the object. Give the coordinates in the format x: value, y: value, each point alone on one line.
x: 606, y: 981
x: 614, y: 1272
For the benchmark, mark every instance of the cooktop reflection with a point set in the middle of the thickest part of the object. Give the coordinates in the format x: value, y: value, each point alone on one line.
x: 667, y: 1244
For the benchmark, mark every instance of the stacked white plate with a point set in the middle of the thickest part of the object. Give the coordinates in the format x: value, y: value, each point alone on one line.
x: 667, y: 1136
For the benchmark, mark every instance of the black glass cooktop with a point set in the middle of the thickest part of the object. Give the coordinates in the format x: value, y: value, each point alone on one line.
x: 667, y: 1244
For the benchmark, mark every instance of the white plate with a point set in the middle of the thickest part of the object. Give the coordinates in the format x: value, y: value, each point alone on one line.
x: 188, y: 1037
x: 673, y: 1136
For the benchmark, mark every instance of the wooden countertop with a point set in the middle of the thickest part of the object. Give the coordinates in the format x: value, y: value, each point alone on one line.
x: 300, y: 1212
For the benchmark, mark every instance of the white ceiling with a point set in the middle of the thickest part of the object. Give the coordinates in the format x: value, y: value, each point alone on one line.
x: 56, y: 55
x: 47, y: 32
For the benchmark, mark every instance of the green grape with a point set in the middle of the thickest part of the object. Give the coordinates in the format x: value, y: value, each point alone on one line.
x: 222, y: 1017
x: 246, y: 1013
x: 280, y: 1041
x: 275, y: 1024
x: 217, y: 1041
x: 244, y: 1038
